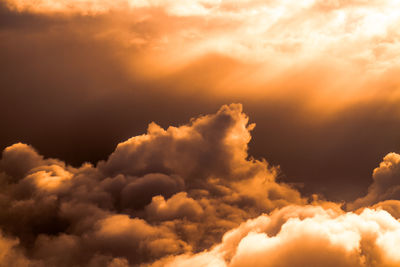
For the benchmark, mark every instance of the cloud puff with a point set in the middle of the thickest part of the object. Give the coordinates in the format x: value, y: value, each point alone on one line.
x: 214, y: 145
x: 307, y: 235
x: 386, y: 183
x: 18, y: 159
x: 178, y: 206
x: 10, y: 255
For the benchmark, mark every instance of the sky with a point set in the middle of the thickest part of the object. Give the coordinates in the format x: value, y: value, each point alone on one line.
x: 199, y: 133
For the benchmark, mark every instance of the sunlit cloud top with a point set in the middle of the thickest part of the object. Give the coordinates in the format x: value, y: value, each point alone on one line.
x: 363, y: 32
x: 256, y: 47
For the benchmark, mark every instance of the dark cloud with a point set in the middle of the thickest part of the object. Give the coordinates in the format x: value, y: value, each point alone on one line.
x: 163, y: 193
x: 178, y: 206
x: 386, y: 184
x: 139, y: 193
x: 186, y: 195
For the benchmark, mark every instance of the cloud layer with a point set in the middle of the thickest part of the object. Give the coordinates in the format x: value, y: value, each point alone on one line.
x: 346, y: 42
x: 168, y: 197
x: 319, y: 77
x: 357, y: 33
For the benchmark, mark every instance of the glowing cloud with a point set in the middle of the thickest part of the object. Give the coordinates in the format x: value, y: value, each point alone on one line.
x: 305, y: 236
x: 192, y: 195
x: 355, y: 31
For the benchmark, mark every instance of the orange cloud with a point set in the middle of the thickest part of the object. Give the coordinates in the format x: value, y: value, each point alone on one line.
x: 191, y: 195
x: 386, y: 185
x: 350, y: 44
x: 304, y: 236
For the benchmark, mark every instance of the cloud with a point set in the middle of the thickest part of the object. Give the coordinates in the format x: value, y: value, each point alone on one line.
x: 123, y: 62
x: 18, y: 159
x: 386, y: 183
x: 163, y: 193
x: 391, y: 206
x: 134, y: 239
x: 214, y: 145
x: 356, y: 34
x: 307, y: 235
x: 10, y: 255
x: 315, y: 75
x: 187, y: 196
x: 140, y: 192
x: 178, y: 206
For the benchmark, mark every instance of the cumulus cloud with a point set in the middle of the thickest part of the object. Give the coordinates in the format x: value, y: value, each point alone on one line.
x: 307, y: 236
x: 178, y: 206
x: 10, y: 255
x: 163, y: 193
x: 18, y: 159
x: 186, y: 196
x: 385, y: 186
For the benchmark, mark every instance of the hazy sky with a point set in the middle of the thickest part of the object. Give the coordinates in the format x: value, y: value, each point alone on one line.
x: 317, y: 118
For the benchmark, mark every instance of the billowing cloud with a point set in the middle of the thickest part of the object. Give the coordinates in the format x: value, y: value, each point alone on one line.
x: 386, y: 183
x: 319, y: 77
x: 10, y: 255
x: 187, y: 196
x: 305, y: 236
x: 163, y: 193
x: 178, y: 206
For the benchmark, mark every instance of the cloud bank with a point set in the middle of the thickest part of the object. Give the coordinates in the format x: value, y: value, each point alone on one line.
x: 186, y: 196
x: 305, y: 236
x: 317, y: 76
x: 345, y: 41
